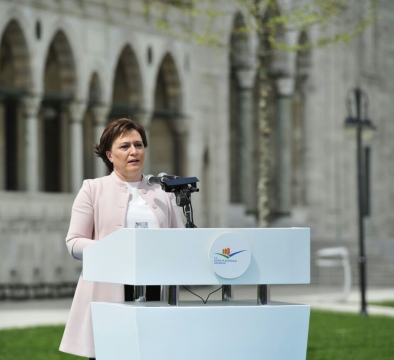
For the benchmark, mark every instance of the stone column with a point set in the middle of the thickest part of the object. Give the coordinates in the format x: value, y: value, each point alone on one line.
x: 2, y: 146
x: 31, y: 106
x: 246, y: 79
x: 285, y: 138
x: 76, y: 113
x: 181, y: 128
x: 145, y: 119
x: 100, y: 113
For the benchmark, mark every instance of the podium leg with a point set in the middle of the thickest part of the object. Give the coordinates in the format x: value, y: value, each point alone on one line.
x: 164, y: 293
x: 173, y: 295
x: 227, y: 293
x: 263, y: 295
x: 139, y: 293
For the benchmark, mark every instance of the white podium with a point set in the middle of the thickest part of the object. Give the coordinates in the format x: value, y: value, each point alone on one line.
x: 192, y: 330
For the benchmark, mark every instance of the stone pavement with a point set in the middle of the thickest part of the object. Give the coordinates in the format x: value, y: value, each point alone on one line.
x: 18, y: 314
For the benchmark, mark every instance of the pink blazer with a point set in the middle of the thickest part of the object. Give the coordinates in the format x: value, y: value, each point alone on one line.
x: 99, y: 210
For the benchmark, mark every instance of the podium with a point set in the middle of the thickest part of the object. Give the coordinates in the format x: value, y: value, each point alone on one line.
x: 233, y: 330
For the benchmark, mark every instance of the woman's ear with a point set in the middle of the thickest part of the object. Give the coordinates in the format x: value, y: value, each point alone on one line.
x: 109, y: 155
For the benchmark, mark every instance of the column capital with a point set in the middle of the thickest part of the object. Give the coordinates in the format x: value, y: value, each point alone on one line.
x: 100, y: 113
x: 285, y: 86
x: 246, y: 78
x: 31, y: 105
x: 76, y: 111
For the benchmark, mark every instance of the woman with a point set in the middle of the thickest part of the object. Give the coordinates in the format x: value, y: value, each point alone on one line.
x: 104, y: 205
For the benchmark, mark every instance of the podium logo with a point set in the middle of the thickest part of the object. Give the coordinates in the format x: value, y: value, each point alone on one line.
x: 226, y: 253
x: 225, y: 263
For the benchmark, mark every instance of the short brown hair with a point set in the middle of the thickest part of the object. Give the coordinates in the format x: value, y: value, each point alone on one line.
x: 111, y: 133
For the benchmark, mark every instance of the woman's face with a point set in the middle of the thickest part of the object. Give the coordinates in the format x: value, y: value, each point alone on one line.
x: 128, y: 156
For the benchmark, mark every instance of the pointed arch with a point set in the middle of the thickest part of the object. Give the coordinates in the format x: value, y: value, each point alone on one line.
x: 166, y: 128
x: 239, y: 42
x: 60, y: 73
x: 15, y: 81
x: 168, y: 93
x: 14, y: 53
x: 276, y: 60
x: 60, y: 84
x: 89, y: 124
x: 127, y: 88
x: 303, y: 57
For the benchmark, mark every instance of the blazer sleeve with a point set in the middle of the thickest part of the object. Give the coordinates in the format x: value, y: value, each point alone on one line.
x: 80, y: 232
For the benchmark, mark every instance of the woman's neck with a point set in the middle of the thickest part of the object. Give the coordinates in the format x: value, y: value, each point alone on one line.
x: 129, y: 177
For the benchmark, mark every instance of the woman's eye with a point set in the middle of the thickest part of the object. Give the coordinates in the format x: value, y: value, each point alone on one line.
x: 139, y: 145
x: 123, y: 147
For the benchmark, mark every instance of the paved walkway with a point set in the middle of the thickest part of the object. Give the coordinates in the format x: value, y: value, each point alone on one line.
x: 17, y: 314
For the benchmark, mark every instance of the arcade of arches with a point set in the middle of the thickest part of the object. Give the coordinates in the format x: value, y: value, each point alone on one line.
x: 59, y: 133
x: 285, y: 116
x: 47, y: 140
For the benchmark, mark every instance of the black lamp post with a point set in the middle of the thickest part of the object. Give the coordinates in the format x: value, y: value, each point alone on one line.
x: 358, y: 99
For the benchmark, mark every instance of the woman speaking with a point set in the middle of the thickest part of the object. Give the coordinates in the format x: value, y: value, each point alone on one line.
x: 104, y: 205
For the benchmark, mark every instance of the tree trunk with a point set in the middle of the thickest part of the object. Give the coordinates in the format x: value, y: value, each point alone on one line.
x: 264, y: 135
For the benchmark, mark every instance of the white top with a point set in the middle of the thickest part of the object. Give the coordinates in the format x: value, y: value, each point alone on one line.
x: 139, y: 214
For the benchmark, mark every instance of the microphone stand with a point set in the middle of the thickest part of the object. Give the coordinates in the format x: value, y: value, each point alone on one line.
x: 182, y: 188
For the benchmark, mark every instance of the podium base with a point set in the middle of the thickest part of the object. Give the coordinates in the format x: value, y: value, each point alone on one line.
x: 230, y: 330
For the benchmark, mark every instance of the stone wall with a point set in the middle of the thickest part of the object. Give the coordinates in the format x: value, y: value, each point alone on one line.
x: 188, y: 90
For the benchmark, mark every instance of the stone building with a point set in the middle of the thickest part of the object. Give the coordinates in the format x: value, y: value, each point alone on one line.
x: 68, y: 67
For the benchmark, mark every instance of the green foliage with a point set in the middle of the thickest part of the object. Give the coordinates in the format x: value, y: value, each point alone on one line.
x: 268, y: 21
x: 350, y: 18
x: 331, y: 336
x: 162, y: 25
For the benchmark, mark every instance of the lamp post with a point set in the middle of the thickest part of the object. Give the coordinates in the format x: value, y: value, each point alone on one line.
x: 358, y: 99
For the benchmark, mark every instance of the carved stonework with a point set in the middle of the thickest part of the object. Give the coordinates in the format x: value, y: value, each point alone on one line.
x: 246, y: 78
x: 76, y: 111
x: 100, y: 113
x: 31, y: 105
x: 285, y: 86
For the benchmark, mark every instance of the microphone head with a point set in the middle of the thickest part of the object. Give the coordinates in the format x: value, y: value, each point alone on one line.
x: 147, y: 180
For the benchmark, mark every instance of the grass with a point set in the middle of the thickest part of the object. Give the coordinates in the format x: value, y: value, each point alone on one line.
x: 331, y: 336
x: 349, y: 336
x: 384, y: 303
x: 39, y: 343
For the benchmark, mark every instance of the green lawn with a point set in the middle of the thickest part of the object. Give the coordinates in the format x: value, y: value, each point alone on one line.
x: 332, y: 336
x: 338, y: 336
x: 384, y: 303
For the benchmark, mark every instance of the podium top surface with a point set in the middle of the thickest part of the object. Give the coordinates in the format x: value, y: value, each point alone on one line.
x: 186, y: 256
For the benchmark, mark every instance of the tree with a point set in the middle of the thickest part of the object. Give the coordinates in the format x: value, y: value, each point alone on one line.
x: 269, y: 23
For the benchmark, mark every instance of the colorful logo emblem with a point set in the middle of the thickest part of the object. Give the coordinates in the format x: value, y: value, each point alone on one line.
x: 225, y: 263
x: 226, y: 253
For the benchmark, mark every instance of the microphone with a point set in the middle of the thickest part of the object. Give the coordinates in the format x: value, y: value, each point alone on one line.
x: 152, y: 180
